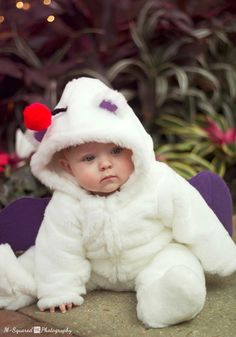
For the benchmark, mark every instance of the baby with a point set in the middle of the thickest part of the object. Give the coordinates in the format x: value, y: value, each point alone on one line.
x: 117, y: 220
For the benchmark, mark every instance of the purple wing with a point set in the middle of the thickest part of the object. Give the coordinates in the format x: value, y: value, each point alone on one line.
x: 20, y: 222
x: 217, y: 195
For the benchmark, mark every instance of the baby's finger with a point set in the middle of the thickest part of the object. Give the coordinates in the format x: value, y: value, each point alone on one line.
x: 62, y: 308
x: 69, y: 306
x: 52, y: 309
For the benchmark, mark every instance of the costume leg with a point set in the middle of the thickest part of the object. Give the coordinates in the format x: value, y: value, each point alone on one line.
x: 171, y: 289
x: 17, y: 284
x: 217, y: 195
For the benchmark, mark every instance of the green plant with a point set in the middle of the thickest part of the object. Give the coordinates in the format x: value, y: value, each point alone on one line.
x: 184, y: 65
x: 152, y: 70
x: 17, y: 180
x: 207, y: 143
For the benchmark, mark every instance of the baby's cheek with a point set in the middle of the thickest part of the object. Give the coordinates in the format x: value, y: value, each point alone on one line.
x: 88, y: 180
x: 128, y: 168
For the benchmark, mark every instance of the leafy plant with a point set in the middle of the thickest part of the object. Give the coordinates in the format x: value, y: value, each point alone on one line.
x: 184, y: 64
x: 154, y: 67
x: 16, y: 179
x: 206, y: 143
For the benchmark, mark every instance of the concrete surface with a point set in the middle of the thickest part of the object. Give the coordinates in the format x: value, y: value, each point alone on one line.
x: 110, y: 314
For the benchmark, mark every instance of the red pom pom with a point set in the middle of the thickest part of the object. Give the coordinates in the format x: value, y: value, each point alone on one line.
x: 37, y: 117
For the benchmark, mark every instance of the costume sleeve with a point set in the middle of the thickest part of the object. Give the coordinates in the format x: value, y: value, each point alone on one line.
x: 61, y: 266
x: 193, y: 223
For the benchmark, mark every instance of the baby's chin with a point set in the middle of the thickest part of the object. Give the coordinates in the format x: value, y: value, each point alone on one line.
x: 105, y: 193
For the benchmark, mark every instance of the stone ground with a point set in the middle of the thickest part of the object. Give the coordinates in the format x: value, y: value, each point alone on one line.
x: 109, y: 314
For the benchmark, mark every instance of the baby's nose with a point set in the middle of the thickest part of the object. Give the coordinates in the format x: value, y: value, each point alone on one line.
x: 105, y: 164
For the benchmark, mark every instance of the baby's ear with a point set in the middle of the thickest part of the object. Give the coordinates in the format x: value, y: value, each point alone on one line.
x: 65, y: 165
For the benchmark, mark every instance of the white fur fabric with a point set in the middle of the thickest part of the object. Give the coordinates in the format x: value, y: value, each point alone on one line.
x: 17, y: 286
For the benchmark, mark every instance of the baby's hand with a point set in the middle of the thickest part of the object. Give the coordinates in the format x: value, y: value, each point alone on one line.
x: 62, y: 307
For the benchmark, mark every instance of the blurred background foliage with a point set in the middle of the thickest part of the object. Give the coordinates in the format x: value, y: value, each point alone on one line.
x: 175, y: 61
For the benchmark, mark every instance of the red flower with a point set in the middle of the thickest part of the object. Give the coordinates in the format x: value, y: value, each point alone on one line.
x: 10, y: 159
x: 230, y: 136
x: 4, y: 160
x: 218, y: 136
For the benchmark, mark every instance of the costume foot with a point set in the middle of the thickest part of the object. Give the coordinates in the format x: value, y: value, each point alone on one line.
x: 175, y: 297
x: 17, y: 287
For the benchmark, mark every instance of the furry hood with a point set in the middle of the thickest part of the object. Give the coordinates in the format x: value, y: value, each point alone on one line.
x: 90, y: 111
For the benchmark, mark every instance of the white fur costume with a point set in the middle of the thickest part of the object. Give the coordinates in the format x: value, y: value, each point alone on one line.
x: 156, y: 235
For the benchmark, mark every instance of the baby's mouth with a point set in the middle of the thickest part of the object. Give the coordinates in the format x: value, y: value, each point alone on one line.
x: 108, y: 177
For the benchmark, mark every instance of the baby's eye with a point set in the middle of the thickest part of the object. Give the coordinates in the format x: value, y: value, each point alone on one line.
x: 117, y: 150
x: 88, y: 157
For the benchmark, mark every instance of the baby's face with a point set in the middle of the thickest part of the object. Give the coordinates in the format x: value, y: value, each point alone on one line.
x: 100, y: 168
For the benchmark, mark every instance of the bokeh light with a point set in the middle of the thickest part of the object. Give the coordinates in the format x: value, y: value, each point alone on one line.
x: 20, y: 4
x: 50, y: 18
x: 47, y: 2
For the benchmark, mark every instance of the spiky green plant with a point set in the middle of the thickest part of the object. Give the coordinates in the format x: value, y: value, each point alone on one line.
x: 206, y: 143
